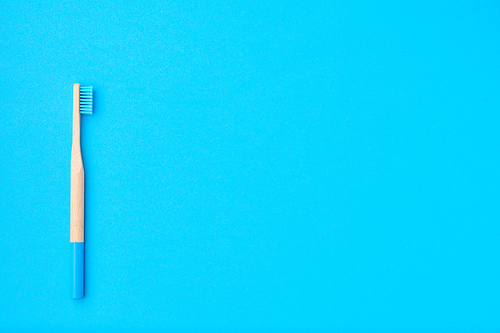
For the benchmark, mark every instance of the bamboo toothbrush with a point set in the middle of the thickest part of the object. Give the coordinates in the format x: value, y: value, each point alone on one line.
x: 82, y: 103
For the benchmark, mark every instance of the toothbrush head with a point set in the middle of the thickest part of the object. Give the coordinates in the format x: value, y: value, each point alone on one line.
x: 86, y: 100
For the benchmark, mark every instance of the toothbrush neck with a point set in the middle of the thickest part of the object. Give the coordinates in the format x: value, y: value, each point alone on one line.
x: 76, y: 129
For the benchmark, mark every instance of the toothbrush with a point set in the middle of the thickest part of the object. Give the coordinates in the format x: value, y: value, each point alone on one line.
x: 82, y: 104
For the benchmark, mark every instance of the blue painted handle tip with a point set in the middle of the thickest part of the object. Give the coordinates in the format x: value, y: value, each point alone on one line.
x: 78, y: 269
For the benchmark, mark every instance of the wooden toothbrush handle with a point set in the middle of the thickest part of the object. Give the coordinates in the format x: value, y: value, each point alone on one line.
x: 77, y: 175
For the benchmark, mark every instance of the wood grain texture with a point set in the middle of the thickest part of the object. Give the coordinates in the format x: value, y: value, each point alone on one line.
x: 77, y: 175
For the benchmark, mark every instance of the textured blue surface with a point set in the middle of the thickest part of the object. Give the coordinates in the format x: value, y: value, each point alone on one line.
x: 253, y: 166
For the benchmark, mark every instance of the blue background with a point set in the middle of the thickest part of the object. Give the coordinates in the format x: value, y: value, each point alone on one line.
x: 253, y: 166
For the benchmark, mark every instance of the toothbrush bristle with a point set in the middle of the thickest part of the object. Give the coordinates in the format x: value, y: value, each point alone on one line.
x: 86, y: 100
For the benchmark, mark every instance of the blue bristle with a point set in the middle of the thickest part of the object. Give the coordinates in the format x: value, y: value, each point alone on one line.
x: 86, y: 100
